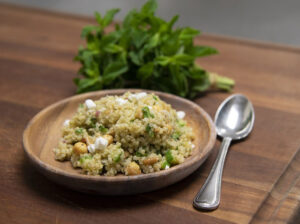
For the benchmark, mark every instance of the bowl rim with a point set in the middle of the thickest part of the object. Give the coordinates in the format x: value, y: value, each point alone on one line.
x: 120, y: 178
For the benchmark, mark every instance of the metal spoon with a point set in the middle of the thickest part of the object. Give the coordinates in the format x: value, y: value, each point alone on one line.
x: 234, y: 120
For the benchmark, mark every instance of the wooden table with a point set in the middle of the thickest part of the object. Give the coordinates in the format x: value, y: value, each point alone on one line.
x: 261, y: 175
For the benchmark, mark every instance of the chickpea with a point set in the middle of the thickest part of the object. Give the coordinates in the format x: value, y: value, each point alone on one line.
x: 139, y: 114
x: 170, y: 128
x: 157, y: 108
x: 133, y: 169
x: 80, y: 148
x: 150, y: 161
x: 109, y: 138
x: 111, y: 132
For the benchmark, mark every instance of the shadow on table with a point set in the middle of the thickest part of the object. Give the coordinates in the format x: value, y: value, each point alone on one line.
x: 296, y: 217
x: 46, y: 189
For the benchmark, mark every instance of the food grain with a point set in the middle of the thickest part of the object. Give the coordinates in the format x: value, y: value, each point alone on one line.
x: 106, y: 137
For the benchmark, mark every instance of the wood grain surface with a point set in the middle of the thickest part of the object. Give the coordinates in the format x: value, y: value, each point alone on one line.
x: 261, y: 175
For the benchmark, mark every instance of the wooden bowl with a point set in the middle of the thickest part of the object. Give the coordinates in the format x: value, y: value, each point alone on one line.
x: 44, y: 130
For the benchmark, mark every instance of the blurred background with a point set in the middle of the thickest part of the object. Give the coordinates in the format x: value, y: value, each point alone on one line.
x: 276, y: 21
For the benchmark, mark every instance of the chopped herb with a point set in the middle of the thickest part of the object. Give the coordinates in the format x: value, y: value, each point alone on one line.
x: 181, y: 123
x: 169, y: 157
x: 165, y: 165
x: 158, y: 152
x: 102, y: 129
x: 149, y: 130
x: 138, y: 154
x: 91, y: 132
x: 155, y: 97
x: 118, y: 158
x: 81, y: 105
x: 146, y: 112
x: 93, y: 122
x: 78, y: 131
x: 85, y: 157
x: 132, y: 120
x: 176, y: 135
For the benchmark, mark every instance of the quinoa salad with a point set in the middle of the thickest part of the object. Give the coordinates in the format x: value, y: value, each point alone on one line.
x: 130, y: 134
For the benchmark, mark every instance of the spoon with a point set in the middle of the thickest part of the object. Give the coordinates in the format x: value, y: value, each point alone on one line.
x: 234, y: 120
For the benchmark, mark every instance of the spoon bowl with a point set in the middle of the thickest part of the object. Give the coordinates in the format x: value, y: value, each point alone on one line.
x: 235, y: 117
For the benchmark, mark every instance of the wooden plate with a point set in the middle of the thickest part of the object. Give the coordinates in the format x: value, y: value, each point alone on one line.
x: 43, y: 132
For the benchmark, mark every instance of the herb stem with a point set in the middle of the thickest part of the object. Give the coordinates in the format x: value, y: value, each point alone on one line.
x: 220, y: 82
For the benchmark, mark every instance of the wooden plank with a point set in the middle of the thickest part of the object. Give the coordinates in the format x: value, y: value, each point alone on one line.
x: 36, y: 69
x: 277, y: 206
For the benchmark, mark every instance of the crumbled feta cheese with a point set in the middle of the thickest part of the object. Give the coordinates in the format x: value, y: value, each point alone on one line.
x: 90, y: 104
x: 121, y: 101
x: 66, y: 123
x: 192, y: 145
x: 180, y: 114
x: 101, y: 143
x: 138, y: 95
x: 91, y: 148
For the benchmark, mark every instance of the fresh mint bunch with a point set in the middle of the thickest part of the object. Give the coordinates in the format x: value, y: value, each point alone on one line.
x: 144, y: 51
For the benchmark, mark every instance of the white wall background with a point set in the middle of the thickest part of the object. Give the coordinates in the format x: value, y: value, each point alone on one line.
x: 265, y: 20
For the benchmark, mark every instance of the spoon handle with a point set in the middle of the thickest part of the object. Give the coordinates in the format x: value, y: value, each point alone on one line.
x: 208, y: 198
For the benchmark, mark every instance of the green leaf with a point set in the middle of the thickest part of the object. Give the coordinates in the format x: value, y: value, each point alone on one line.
x: 149, y: 130
x: 110, y: 38
x: 145, y: 71
x: 169, y: 157
x: 147, y: 113
x: 138, y: 38
x: 88, y: 29
x: 153, y: 42
x: 113, y: 48
x: 149, y: 7
x: 165, y: 165
x: 201, y: 51
x: 84, y: 158
x: 162, y: 60
x: 179, y: 80
x: 129, y: 19
x: 103, y: 129
x: 135, y: 58
x: 145, y: 51
x: 84, y: 85
x: 183, y: 59
x: 93, y: 122
x: 176, y: 135
x: 78, y: 131
x: 172, y: 22
x: 113, y: 71
x: 181, y: 123
x: 188, y: 33
x: 117, y: 158
x: 98, y: 18
x: 138, y: 154
x: 109, y: 16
